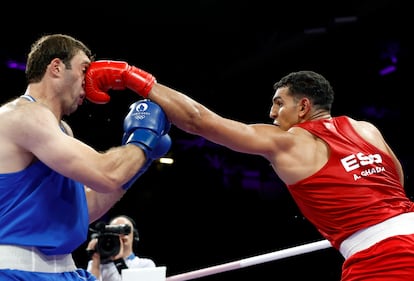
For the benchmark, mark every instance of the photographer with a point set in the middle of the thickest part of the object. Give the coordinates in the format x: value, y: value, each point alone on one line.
x: 111, y: 249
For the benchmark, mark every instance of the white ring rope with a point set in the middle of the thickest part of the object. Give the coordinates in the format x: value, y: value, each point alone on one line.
x: 298, y: 250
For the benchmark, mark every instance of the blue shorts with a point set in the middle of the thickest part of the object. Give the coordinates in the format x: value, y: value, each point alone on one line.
x: 20, y: 275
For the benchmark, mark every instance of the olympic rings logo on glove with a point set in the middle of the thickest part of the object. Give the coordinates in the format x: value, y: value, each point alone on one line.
x: 139, y: 116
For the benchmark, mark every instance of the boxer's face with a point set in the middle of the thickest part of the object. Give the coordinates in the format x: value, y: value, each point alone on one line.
x: 285, y: 109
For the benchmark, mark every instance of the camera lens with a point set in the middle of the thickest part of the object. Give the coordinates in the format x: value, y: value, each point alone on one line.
x: 108, y: 245
x: 108, y: 236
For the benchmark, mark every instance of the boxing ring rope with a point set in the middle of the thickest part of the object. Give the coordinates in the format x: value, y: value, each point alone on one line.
x: 289, y: 252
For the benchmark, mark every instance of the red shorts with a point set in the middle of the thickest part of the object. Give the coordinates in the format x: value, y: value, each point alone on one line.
x: 391, y: 259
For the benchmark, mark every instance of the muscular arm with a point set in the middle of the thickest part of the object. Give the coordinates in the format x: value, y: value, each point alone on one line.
x: 194, y: 118
x: 182, y: 111
x: 40, y: 136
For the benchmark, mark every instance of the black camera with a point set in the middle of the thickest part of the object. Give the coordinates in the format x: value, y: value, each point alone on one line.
x: 109, y: 244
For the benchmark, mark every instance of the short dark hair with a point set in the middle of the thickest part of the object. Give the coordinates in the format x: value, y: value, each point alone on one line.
x: 308, y: 84
x: 49, y: 47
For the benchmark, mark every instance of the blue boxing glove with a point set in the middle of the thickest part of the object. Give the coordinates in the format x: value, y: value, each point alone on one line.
x: 160, y: 149
x: 147, y: 126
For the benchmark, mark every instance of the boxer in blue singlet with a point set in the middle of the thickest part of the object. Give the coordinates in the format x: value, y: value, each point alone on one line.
x: 52, y: 186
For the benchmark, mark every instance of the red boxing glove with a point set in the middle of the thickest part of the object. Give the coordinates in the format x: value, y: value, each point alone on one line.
x: 104, y: 75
